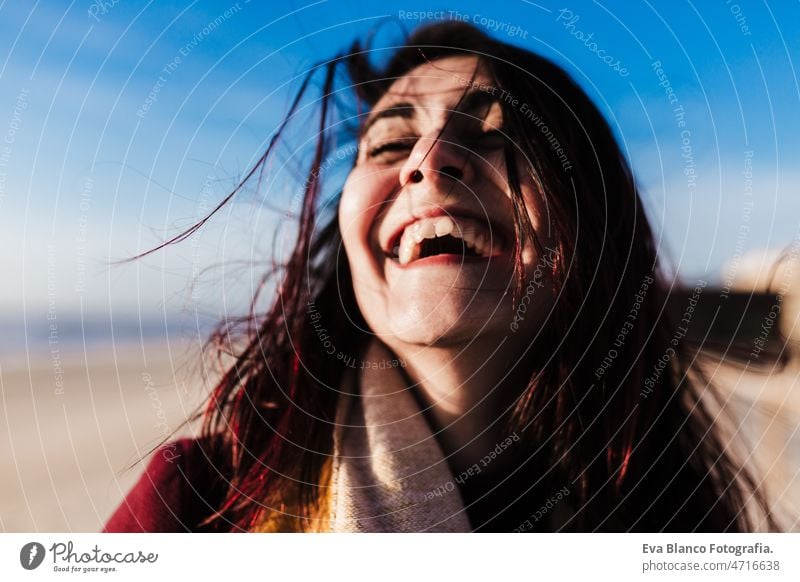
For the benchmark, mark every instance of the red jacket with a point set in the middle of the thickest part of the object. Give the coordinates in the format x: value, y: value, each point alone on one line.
x: 179, y: 488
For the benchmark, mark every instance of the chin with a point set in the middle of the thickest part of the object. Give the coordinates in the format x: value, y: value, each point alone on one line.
x: 437, y: 325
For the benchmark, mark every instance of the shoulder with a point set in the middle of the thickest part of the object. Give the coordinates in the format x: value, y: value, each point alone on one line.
x: 180, y: 486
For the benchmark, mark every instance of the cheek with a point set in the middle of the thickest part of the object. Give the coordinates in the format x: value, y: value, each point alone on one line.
x: 494, y: 167
x: 366, y: 196
x: 361, y: 201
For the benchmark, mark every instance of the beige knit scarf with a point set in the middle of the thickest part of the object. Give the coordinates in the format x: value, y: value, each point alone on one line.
x: 388, y: 473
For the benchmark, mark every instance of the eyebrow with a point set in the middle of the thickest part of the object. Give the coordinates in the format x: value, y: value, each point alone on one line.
x: 474, y: 99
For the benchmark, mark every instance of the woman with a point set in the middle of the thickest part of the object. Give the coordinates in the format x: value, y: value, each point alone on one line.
x: 464, y: 343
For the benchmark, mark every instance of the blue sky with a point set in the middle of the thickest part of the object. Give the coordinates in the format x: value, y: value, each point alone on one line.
x: 93, y: 169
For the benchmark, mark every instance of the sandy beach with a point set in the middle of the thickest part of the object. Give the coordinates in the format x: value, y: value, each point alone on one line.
x: 766, y: 410
x: 74, y: 420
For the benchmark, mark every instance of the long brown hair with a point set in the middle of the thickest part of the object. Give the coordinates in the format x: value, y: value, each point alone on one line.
x: 634, y: 459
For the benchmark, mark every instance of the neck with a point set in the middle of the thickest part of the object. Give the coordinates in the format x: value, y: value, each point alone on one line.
x: 468, y: 393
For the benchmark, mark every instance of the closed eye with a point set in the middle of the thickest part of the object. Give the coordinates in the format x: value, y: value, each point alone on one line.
x: 490, y: 139
x: 484, y: 140
x: 391, y: 145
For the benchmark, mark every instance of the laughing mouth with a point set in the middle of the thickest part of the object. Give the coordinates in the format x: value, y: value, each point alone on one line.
x: 446, y: 235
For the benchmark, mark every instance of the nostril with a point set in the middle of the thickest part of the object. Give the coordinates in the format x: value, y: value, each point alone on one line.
x: 452, y: 171
x: 416, y: 176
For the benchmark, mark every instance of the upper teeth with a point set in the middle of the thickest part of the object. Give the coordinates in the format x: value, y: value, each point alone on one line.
x: 473, y: 233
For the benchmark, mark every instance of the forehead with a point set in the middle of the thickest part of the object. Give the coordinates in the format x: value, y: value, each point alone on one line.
x: 437, y: 82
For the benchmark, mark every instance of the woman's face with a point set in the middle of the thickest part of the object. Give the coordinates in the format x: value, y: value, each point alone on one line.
x: 428, y: 225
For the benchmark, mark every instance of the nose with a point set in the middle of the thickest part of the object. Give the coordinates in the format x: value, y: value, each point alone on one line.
x: 440, y: 161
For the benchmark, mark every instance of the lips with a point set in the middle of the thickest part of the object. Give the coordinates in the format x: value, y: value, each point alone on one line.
x: 445, y: 232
